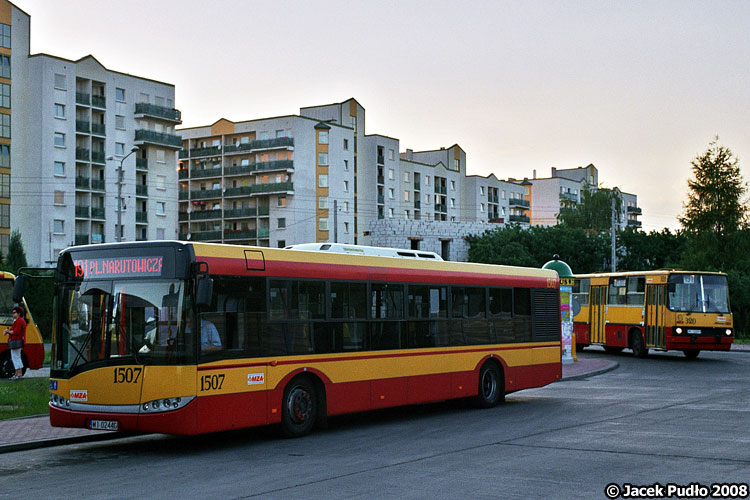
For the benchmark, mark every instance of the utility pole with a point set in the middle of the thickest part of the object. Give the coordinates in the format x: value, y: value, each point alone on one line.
x: 335, y: 221
x: 119, y: 204
x: 615, y: 192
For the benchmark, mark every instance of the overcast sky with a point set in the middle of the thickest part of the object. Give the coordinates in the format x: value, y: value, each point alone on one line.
x: 636, y: 88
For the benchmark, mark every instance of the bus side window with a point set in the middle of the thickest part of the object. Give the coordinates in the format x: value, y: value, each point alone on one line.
x: 636, y: 290
x: 522, y: 314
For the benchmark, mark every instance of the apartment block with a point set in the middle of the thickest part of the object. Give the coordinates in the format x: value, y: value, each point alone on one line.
x: 269, y: 182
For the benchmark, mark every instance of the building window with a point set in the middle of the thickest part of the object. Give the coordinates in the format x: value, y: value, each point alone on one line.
x: 161, y: 208
x: 346, y: 186
x: 281, y: 201
x: 426, y: 180
x: 60, y: 81
x: 322, y: 158
x: 59, y: 169
x: 59, y: 198
x: 5, y: 155
x: 391, y: 154
x: 120, y: 122
x: 406, y: 195
x: 281, y: 223
x: 120, y: 95
x: 481, y: 190
x: 4, y: 125
x: 323, y: 224
x: 120, y: 148
x: 390, y: 213
x: 346, y: 227
x: 280, y: 134
x: 406, y: 176
x: 391, y: 174
x: 5, y: 216
x: 281, y: 243
x: 5, y: 36
x: 503, y: 193
x: 4, y: 186
x: 323, y: 180
x: 322, y: 137
x: 59, y: 139
x: 323, y: 202
x: 346, y: 144
x: 390, y: 193
x: 453, y: 185
x: 453, y: 203
x: 160, y: 233
x: 58, y: 226
x: 161, y: 182
x: 160, y: 156
x: 346, y: 165
x: 5, y: 95
x: 481, y: 207
x: 59, y: 110
x: 4, y: 66
x: 456, y: 164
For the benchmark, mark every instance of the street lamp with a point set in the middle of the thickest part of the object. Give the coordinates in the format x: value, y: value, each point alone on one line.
x: 118, y: 229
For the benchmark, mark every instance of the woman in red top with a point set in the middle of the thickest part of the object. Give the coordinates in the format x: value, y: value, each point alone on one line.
x: 17, y: 332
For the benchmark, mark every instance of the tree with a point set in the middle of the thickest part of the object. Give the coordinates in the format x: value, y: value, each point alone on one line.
x: 593, y: 212
x: 640, y: 251
x: 16, y: 254
x: 715, y: 198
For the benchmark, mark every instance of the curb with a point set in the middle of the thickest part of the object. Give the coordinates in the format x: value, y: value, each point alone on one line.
x: 47, y: 443
x: 592, y: 373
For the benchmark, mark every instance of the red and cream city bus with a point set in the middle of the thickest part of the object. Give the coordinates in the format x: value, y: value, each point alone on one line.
x: 32, y: 353
x: 660, y: 310
x: 286, y: 337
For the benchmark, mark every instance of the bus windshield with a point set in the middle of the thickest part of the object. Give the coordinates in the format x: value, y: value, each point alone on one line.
x: 115, y: 322
x: 703, y: 293
x: 6, y: 301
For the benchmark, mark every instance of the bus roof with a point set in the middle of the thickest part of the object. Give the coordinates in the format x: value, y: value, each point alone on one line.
x: 657, y: 272
x: 365, y: 250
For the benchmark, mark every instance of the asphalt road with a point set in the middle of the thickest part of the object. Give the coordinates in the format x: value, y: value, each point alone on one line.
x: 663, y: 419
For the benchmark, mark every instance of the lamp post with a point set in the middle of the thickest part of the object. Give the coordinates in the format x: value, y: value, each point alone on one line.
x: 118, y: 229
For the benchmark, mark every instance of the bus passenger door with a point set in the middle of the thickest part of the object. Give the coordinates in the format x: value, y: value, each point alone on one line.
x: 597, y: 314
x: 655, y: 311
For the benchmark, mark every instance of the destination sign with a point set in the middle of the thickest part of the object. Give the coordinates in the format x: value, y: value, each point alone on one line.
x: 118, y: 267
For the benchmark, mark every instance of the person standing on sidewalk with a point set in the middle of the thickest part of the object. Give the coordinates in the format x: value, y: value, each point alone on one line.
x: 16, y: 338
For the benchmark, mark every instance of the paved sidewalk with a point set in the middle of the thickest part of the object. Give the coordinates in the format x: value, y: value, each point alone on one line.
x: 36, y: 432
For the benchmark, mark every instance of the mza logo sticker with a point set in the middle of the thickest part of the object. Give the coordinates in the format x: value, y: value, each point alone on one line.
x: 256, y: 378
x: 79, y: 395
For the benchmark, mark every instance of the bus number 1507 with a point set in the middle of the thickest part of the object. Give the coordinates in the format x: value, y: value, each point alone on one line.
x: 127, y: 375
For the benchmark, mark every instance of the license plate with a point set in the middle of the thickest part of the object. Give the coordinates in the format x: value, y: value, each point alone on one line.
x: 104, y: 425
x: 694, y: 331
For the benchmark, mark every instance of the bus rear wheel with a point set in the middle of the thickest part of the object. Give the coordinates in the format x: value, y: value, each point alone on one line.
x: 491, y: 386
x: 691, y: 353
x: 636, y: 344
x: 300, y: 408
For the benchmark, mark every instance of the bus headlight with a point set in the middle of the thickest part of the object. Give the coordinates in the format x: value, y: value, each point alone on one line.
x: 728, y: 331
x: 678, y: 330
x: 166, y: 404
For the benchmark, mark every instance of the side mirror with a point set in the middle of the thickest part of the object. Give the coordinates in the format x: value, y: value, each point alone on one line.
x: 204, y: 292
x: 18, y: 288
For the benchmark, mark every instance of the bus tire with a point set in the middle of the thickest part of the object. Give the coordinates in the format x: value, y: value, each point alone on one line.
x: 637, y: 345
x: 491, y: 386
x: 611, y: 349
x: 691, y: 353
x: 6, y: 365
x: 580, y: 347
x: 299, y: 408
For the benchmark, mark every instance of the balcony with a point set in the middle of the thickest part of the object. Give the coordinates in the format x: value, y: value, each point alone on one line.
x: 206, y: 236
x: 519, y: 218
x: 569, y: 197
x: 82, y: 212
x: 417, y: 205
x: 143, y: 136
x: 141, y: 217
x: 203, y: 194
x: 634, y: 223
x: 83, y: 154
x: 141, y: 190
x: 147, y: 110
x: 205, y: 214
x: 381, y: 179
x: 440, y: 207
x: 416, y: 186
x: 239, y: 235
x: 98, y: 157
x: 198, y: 152
x: 634, y: 210
x: 98, y: 129
x: 278, y: 142
x: 277, y: 187
x: 263, y: 233
x: 518, y: 202
x: 183, y: 174
x: 82, y: 239
x: 262, y: 211
x: 99, y: 101
x: 183, y: 194
x: 492, y: 198
x: 381, y: 199
x: 205, y: 172
x: 97, y: 184
x: 441, y: 189
x: 381, y: 160
x: 83, y: 126
x: 97, y: 213
x: 83, y: 98
x: 266, y: 166
x: 240, y: 213
x: 141, y: 163
x: 97, y: 238
x: 82, y: 182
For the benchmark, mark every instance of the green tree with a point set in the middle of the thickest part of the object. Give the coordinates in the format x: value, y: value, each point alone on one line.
x: 640, y: 251
x: 593, y: 212
x: 16, y: 254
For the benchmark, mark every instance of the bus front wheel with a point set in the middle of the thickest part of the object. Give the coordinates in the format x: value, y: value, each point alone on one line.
x: 6, y: 365
x: 636, y: 344
x: 691, y: 353
x: 299, y: 408
x: 491, y: 386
